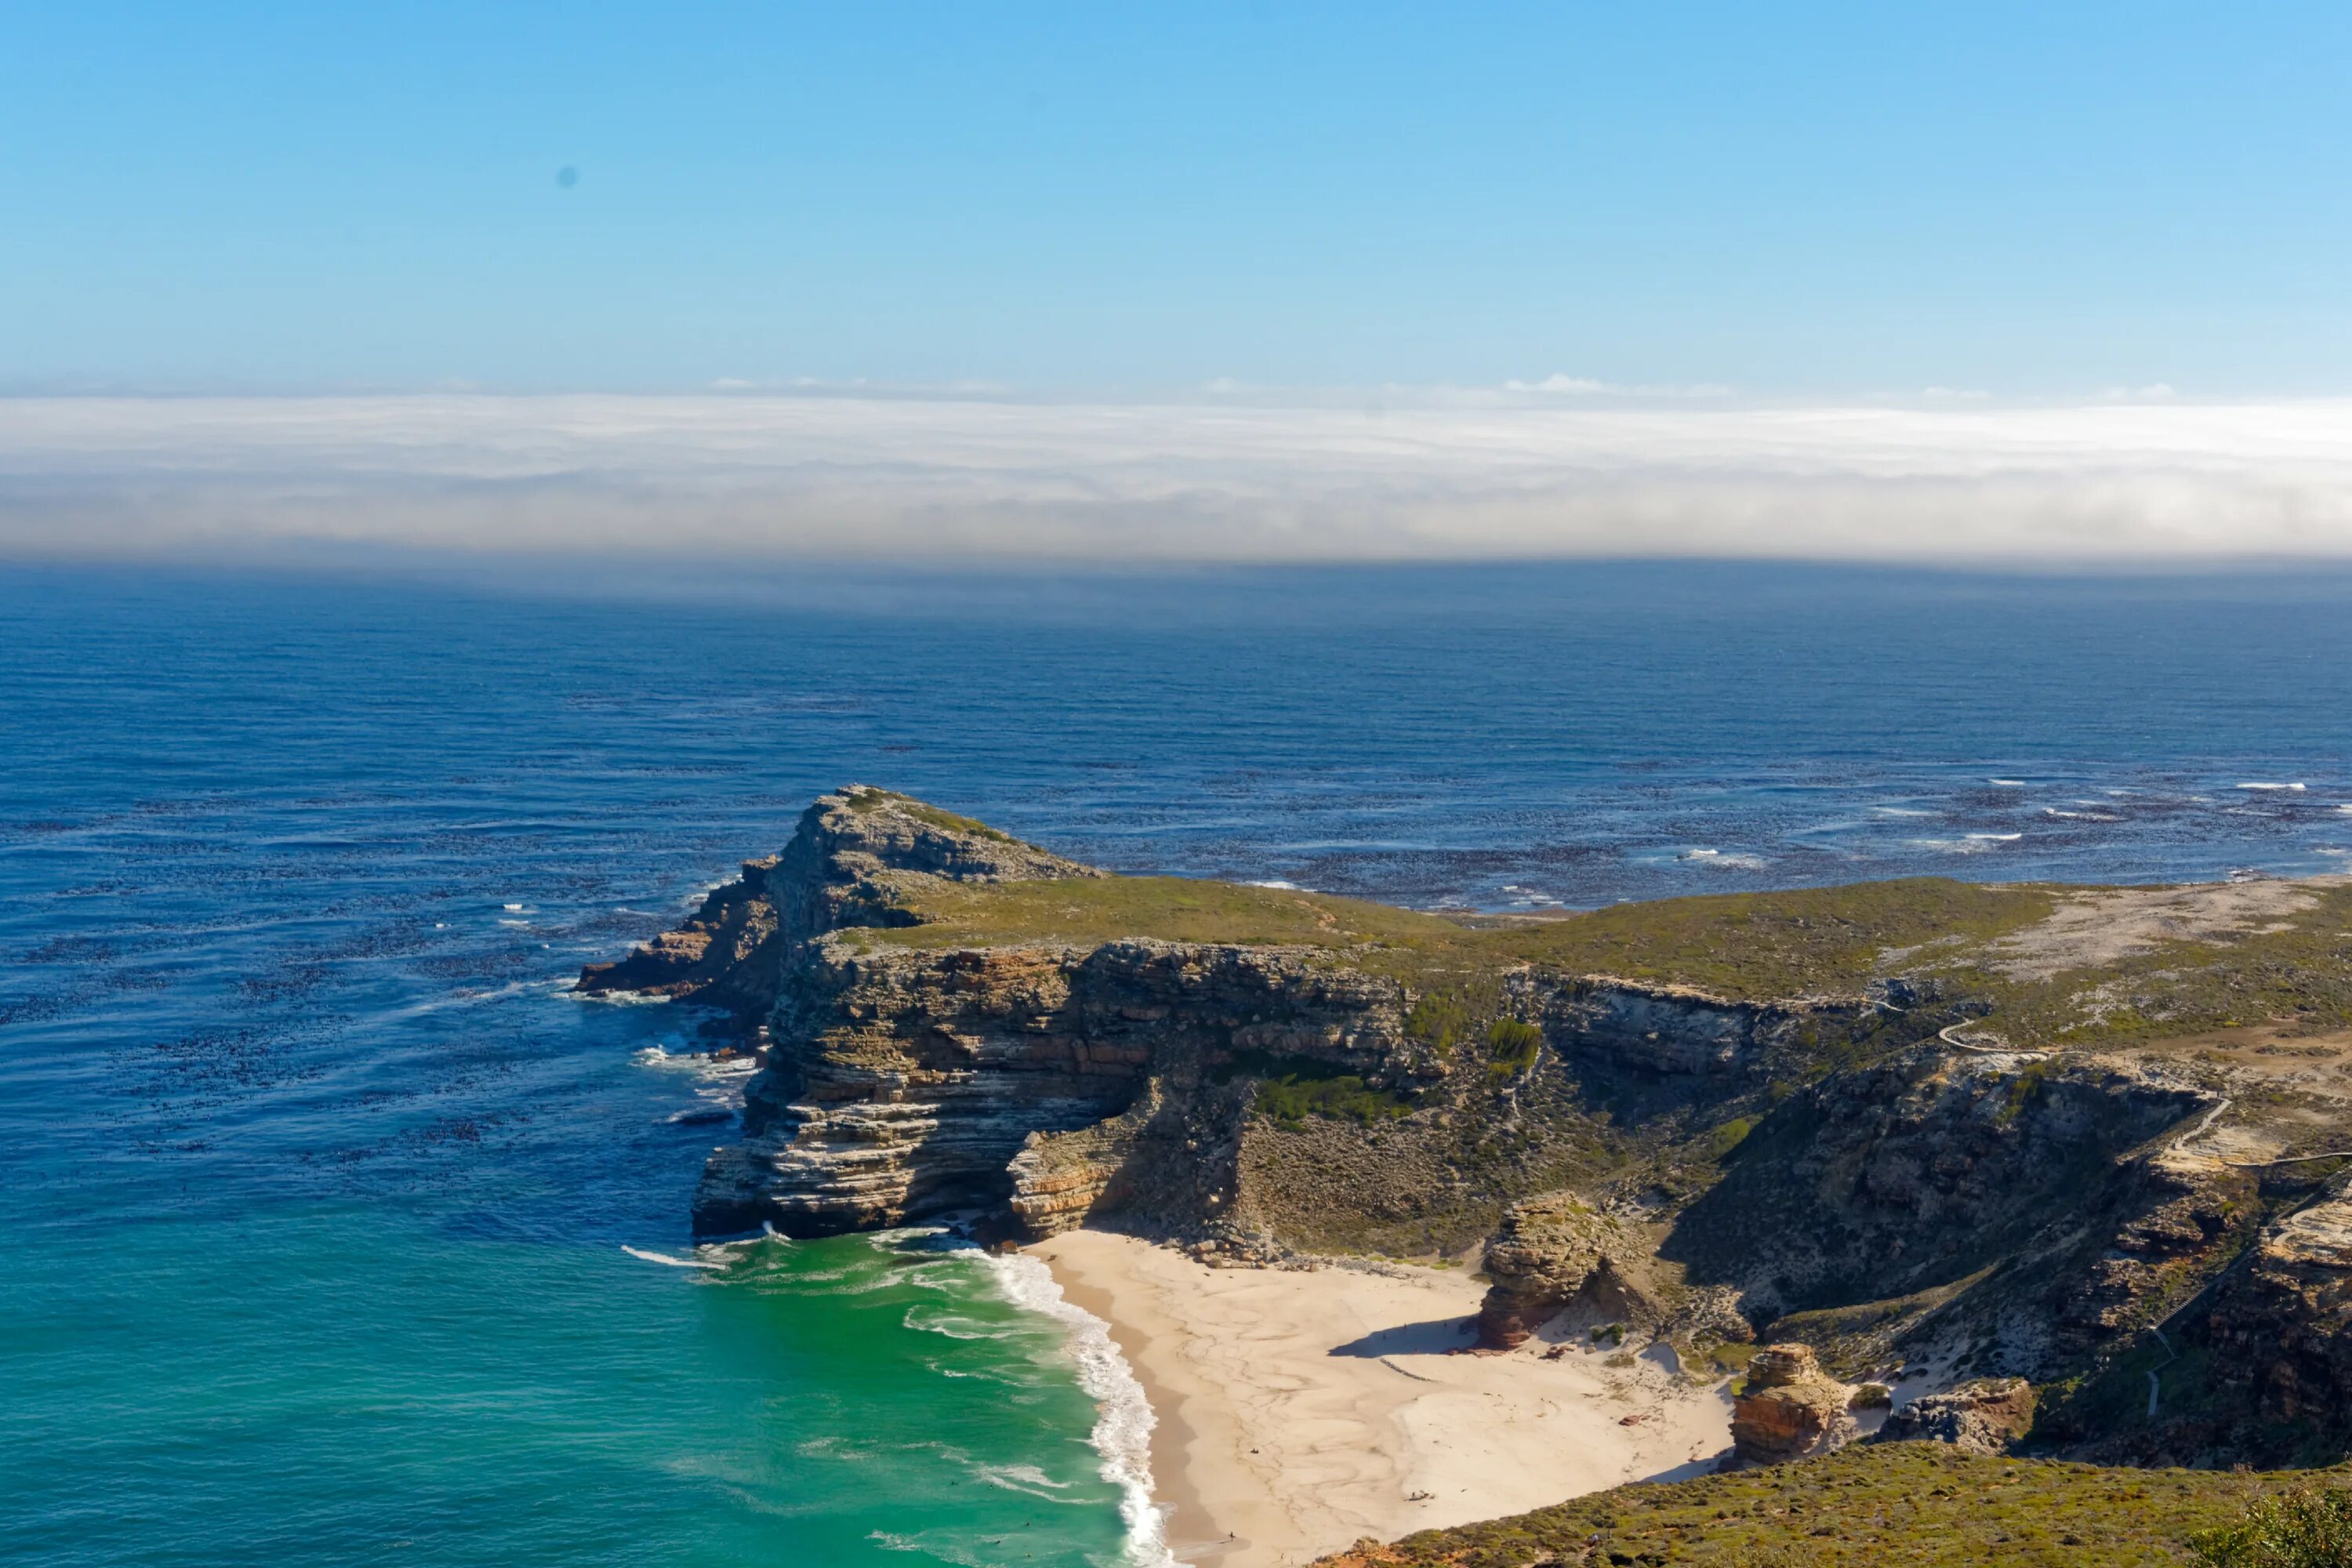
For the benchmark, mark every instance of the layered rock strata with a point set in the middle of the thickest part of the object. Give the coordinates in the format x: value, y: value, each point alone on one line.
x: 1557, y: 1253
x: 1789, y: 1409
x: 1690, y: 1165
x: 1043, y: 1083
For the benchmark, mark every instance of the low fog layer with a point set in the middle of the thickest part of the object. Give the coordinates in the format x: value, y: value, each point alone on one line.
x: 901, y: 478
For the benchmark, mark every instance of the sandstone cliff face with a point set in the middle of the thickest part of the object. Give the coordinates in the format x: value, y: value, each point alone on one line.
x: 1676, y: 1029
x: 1789, y: 1409
x: 1557, y: 1253
x: 1047, y: 1082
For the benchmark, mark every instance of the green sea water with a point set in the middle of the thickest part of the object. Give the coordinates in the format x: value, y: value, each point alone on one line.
x: 348, y: 1384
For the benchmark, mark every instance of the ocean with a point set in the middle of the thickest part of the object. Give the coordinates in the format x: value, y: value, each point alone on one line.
x: 337, y: 1232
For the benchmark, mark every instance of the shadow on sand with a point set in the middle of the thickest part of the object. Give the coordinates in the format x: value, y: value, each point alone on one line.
x: 1432, y: 1338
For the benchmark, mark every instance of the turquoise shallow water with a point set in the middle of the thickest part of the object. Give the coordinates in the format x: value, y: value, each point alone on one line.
x: 334, y: 1232
x: 335, y: 1385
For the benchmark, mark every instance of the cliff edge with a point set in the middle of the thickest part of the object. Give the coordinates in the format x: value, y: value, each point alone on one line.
x: 1927, y: 1132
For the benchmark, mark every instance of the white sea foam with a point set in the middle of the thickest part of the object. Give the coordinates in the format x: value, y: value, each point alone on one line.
x: 673, y: 1262
x: 614, y: 998
x: 1026, y: 1479
x: 1724, y: 859
x: 1276, y: 882
x: 2296, y: 788
x: 1974, y: 844
x: 2008, y: 783
x: 2081, y: 815
x: 951, y: 1326
x: 955, y: 1556
x: 1123, y: 1433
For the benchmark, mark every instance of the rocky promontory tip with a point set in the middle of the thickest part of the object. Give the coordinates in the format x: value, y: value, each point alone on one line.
x: 849, y: 863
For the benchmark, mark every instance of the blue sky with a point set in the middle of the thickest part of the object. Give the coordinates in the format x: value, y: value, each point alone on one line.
x: 1807, y: 201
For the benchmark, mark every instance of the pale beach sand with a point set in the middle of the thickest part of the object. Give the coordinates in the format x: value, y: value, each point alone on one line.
x: 1300, y: 1411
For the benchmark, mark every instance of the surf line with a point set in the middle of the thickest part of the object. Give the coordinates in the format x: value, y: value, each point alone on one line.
x: 1124, y: 1420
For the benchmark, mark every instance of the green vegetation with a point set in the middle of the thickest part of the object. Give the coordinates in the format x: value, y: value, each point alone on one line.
x: 2294, y: 971
x: 1907, y: 1505
x: 866, y: 799
x: 1292, y: 1088
x: 1291, y: 1098
x: 1085, y: 911
x: 1512, y: 1048
x: 1440, y: 1019
x: 2302, y: 1527
x: 1721, y: 1140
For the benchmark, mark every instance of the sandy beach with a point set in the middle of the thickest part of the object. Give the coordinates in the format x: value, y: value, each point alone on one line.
x: 1299, y: 1411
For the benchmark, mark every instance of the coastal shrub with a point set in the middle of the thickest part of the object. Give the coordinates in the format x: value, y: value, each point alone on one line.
x: 1727, y: 1137
x: 1290, y: 1099
x: 1513, y: 1047
x: 2302, y: 1527
x: 1292, y: 1088
x: 1440, y: 1020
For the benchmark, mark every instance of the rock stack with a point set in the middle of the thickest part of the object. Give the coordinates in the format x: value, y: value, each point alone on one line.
x: 1556, y: 1252
x: 1790, y: 1409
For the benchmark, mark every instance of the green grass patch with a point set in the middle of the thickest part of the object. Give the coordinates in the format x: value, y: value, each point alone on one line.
x: 864, y: 800
x: 1086, y: 911
x: 1908, y: 1505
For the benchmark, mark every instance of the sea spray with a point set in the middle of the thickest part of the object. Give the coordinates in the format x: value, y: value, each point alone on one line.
x: 1123, y: 1433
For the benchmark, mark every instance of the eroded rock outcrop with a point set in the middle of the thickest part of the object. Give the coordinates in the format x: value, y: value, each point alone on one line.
x: 852, y: 861
x: 1382, y: 1087
x: 1981, y: 1417
x: 722, y: 955
x: 2282, y: 1329
x: 1913, y: 1173
x: 906, y: 1082
x: 1557, y: 1252
x: 1788, y: 1409
x: 1677, y: 1029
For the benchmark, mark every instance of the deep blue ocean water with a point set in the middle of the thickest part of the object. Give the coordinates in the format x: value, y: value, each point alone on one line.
x: 335, y: 1232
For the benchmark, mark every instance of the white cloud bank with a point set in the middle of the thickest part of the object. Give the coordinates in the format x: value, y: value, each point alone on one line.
x: 846, y: 477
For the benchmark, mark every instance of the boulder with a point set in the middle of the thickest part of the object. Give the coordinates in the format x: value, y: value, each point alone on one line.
x: 1981, y: 1417
x: 1555, y: 1252
x: 1789, y: 1409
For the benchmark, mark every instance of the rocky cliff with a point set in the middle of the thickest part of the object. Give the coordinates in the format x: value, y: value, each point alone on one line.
x: 1889, y: 1123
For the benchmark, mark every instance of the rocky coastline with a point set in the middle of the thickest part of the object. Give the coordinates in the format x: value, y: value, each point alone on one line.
x: 1864, y: 1170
